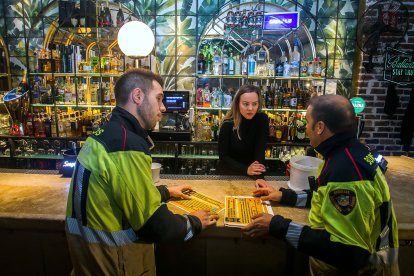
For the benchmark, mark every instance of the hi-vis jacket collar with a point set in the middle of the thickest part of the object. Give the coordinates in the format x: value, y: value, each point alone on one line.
x: 332, y: 143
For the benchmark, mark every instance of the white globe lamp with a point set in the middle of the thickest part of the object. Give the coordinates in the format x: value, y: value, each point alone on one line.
x: 136, y: 40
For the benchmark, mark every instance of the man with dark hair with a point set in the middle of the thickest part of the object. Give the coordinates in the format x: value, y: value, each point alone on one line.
x: 352, y: 226
x: 115, y: 212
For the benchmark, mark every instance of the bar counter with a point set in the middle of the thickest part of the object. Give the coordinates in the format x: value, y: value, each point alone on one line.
x: 32, y: 213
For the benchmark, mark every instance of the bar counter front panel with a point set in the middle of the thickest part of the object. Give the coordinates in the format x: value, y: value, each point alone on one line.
x: 32, y: 213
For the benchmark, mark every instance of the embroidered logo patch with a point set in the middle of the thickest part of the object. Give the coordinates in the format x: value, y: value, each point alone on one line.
x: 343, y: 200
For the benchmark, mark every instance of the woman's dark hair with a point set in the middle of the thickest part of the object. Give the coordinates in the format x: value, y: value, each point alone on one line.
x: 335, y: 111
x: 134, y: 78
x: 234, y: 112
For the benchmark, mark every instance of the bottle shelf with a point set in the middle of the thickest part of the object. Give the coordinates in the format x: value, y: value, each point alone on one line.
x: 74, y: 105
x: 205, y: 157
x: 204, y: 76
x: 158, y: 155
x: 86, y: 75
x: 41, y: 156
x: 3, y: 75
x: 263, y: 109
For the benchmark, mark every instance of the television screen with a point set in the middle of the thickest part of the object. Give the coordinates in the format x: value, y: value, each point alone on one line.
x: 281, y: 20
x: 178, y: 101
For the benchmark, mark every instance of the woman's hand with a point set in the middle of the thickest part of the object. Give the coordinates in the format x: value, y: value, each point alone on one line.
x: 268, y: 193
x: 256, y: 168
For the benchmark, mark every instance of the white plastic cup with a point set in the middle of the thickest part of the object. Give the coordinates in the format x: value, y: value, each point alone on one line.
x: 155, y: 169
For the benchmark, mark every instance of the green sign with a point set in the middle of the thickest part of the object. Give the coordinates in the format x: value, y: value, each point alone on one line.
x: 359, y: 104
x: 399, y: 67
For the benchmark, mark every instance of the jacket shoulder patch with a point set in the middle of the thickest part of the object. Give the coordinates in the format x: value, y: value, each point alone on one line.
x: 343, y: 200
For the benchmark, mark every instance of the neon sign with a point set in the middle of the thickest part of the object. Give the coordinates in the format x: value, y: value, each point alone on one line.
x: 281, y: 20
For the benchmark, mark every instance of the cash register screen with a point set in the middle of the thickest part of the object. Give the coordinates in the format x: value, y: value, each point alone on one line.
x: 178, y: 101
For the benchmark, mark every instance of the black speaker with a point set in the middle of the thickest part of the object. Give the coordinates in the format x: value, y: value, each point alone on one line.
x: 88, y: 11
x: 66, y: 9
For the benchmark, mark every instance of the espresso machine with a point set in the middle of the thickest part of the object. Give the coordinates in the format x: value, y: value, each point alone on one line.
x: 175, y: 124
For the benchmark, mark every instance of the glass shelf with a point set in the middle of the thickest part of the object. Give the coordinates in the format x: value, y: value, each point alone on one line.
x: 74, y: 105
x: 256, y: 77
x: 78, y: 74
x: 212, y: 108
x: 156, y: 155
x: 3, y: 75
x: 4, y: 155
x: 263, y: 109
x: 206, y: 157
x: 41, y: 156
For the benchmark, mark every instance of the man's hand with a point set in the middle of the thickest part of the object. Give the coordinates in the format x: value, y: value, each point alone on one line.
x: 261, y: 183
x: 256, y: 168
x: 268, y: 193
x: 259, y: 226
x: 177, y: 192
x: 206, y: 217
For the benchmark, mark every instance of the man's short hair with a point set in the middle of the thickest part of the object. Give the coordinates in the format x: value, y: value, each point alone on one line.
x: 338, y: 115
x: 134, y: 78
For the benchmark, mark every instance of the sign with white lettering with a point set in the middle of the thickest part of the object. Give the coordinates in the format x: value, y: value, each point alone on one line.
x: 358, y: 104
x: 399, y: 67
x: 281, y: 20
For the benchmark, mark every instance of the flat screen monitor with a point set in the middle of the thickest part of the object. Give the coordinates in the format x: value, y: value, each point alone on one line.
x: 281, y: 20
x: 176, y: 101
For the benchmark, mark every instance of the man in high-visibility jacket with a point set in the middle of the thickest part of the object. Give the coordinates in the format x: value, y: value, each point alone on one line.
x: 115, y: 212
x: 352, y: 225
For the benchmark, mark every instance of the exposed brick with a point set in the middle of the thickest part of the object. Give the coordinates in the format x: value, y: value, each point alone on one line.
x: 372, y: 141
x: 380, y: 98
x: 377, y: 91
x: 387, y: 141
x: 379, y: 135
x: 372, y: 116
x: 393, y: 148
x: 382, y: 123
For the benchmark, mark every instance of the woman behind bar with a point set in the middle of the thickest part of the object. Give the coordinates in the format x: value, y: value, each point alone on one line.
x: 243, y: 135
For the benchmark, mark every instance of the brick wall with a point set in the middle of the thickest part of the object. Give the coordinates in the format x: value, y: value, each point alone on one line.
x: 382, y: 132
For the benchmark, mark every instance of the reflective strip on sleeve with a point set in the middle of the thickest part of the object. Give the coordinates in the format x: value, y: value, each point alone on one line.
x: 293, y: 234
x: 190, y: 233
x: 116, y: 238
x: 301, y: 199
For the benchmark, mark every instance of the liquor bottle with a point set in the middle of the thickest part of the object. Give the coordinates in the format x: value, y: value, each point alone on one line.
x: 107, y: 16
x: 285, y: 128
x: 278, y: 128
x: 28, y: 130
x: 199, y: 96
x: 36, y: 90
x: 106, y: 94
x: 225, y: 62
x: 68, y: 92
x: 112, y: 94
x: 251, y: 65
x: 244, y: 20
x: 61, y: 126
x: 23, y: 86
x: 293, y: 98
x: 53, y: 125
x: 215, y: 129
x: 251, y: 19
x: 317, y: 68
x: 237, y: 65
x: 244, y: 65
x: 209, y: 64
x: 259, y: 18
x: 66, y: 123
x: 206, y: 96
x: 229, y: 18
x: 232, y: 64
x: 310, y: 67
x: 279, y: 69
x: 237, y: 17
x: 217, y: 63
x: 286, y: 98
x: 201, y: 64
x: 272, y: 128
x: 269, y: 96
x: 295, y: 62
x: 101, y: 16
x: 120, y: 16
x: 304, y: 68
x: 48, y: 125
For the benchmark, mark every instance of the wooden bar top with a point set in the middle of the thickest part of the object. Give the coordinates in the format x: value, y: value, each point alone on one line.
x: 38, y: 201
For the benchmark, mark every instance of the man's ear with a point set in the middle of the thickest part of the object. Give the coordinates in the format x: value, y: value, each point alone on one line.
x: 137, y: 96
x: 320, y: 127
